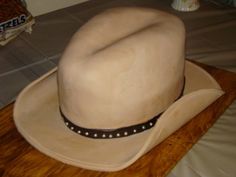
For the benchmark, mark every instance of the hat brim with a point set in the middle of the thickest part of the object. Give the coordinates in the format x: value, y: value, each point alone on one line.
x: 37, y: 118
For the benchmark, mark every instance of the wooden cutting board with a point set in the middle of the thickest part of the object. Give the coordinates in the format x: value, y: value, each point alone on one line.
x: 18, y: 158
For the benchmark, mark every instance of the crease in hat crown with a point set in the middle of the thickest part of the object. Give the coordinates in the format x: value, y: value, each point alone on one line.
x: 111, y: 79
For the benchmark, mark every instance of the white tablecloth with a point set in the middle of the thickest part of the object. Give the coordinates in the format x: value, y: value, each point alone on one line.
x: 211, y: 39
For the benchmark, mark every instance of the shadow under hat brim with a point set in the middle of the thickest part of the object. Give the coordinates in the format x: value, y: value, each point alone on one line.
x: 37, y: 118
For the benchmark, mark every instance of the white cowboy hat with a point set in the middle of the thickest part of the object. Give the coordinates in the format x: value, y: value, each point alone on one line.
x: 121, y: 87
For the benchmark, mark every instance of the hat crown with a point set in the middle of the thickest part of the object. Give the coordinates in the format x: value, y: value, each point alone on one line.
x: 122, y: 68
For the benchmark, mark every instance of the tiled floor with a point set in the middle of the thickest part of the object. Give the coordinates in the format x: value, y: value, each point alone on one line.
x: 29, y: 56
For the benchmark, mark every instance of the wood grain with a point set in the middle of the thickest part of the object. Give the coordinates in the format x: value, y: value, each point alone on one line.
x: 18, y: 158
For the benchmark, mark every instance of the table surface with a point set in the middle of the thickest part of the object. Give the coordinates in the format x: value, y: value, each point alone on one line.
x: 19, y: 158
